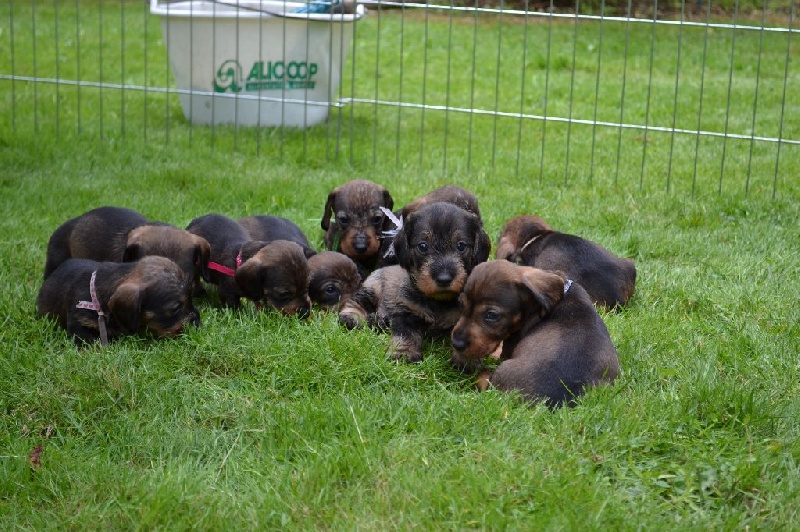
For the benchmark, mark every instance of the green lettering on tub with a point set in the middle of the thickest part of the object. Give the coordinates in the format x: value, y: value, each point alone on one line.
x: 265, y: 75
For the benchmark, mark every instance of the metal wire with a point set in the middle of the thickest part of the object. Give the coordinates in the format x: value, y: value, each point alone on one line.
x: 426, y: 106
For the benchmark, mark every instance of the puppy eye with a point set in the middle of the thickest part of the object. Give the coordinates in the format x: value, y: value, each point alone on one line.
x: 332, y: 290
x: 343, y: 220
x: 422, y: 247
x: 283, y: 297
x: 491, y: 316
x: 461, y: 246
x: 377, y: 220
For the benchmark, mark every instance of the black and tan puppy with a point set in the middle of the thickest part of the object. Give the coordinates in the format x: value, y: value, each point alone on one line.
x: 528, y: 240
x: 117, y: 234
x: 454, y: 194
x: 333, y: 278
x: 353, y: 222
x: 436, y: 249
x: 150, y: 294
x: 267, y: 228
x: 272, y: 272
x: 554, y: 344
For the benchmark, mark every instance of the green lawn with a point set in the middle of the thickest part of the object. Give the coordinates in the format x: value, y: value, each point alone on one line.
x: 255, y: 420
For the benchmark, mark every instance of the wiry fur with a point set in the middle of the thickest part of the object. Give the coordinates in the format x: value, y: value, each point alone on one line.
x: 118, y: 234
x: 353, y: 222
x: 454, y: 194
x: 267, y: 228
x: 150, y: 294
x: 275, y: 273
x: 333, y: 278
x: 528, y: 240
x: 554, y: 344
x: 436, y: 249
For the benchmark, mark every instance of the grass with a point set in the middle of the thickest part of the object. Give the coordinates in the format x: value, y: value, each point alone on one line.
x: 255, y: 420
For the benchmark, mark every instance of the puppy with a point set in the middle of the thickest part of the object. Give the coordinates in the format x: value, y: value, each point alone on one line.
x: 357, y: 222
x: 268, y: 228
x: 436, y: 249
x: 272, y: 272
x: 554, y: 344
x: 333, y: 278
x: 117, y: 234
x: 149, y: 294
x: 456, y: 195
x: 528, y: 240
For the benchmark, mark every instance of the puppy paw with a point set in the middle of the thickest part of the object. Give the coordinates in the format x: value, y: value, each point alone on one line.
x: 351, y: 320
x: 404, y: 356
x: 404, y: 350
x: 482, y: 380
x: 464, y: 364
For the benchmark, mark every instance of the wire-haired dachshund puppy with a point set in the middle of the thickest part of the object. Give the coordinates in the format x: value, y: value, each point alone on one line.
x: 94, y: 299
x: 353, y: 222
x: 436, y: 249
x: 454, y: 194
x: 117, y: 234
x: 267, y: 228
x: 554, y: 344
x: 274, y: 272
x: 528, y: 240
x: 333, y: 278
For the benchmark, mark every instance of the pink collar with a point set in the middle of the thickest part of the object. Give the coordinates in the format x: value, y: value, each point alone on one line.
x: 224, y: 270
x: 94, y: 305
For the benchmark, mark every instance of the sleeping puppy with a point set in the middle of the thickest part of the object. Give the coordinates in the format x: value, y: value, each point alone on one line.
x: 528, y: 240
x: 456, y: 195
x: 333, y: 278
x: 554, y: 344
x: 272, y: 272
x: 436, y: 249
x: 117, y: 234
x: 357, y: 222
x: 268, y: 228
x: 150, y: 294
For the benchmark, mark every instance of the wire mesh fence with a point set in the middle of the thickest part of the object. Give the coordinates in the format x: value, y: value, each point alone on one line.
x: 696, y: 99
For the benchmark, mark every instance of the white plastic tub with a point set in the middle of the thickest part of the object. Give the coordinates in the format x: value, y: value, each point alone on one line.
x: 254, y: 62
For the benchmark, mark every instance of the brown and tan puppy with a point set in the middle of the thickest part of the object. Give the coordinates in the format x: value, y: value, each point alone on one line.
x: 528, y: 240
x: 454, y: 194
x: 554, y: 344
x: 436, y: 249
x: 333, y: 278
x: 272, y: 272
x: 150, y: 294
x: 117, y: 234
x: 267, y: 228
x: 353, y: 222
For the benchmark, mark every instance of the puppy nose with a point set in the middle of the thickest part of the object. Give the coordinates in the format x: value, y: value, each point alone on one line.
x: 303, y: 312
x: 360, y: 244
x: 443, y: 278
x: 460, y: 342
x: 194, y: 318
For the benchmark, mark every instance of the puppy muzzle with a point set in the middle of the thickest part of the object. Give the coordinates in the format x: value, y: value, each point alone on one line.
x: 460, y: 341
x: 361, y: 243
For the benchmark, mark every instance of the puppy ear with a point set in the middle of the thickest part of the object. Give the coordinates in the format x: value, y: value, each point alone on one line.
x: 326, y: 215
x: 125, y: 306
x: 250, y: 279
x: 483, y: 244
x: 251, y: 248
x: 401, y: 248
x: 202, y: 254
x: 308, y: 252
x: 132, y: 253
x: 546, y: 287
x: 388, y: 202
